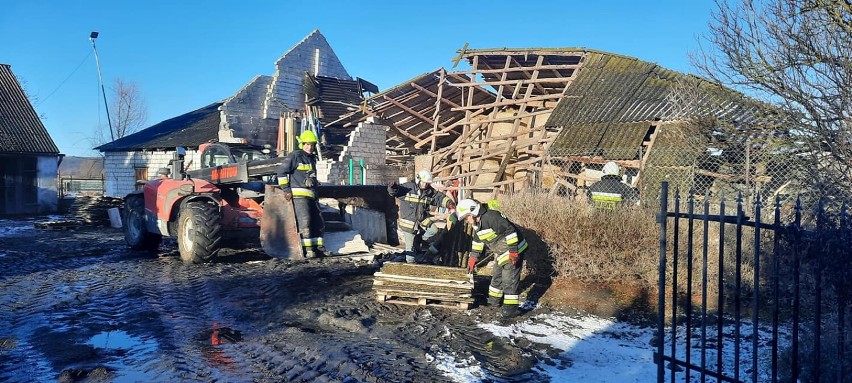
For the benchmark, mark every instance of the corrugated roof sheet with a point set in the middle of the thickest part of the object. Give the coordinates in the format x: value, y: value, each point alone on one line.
x: 615, y: 99
x: 188, y: 130
x: 21, y: 131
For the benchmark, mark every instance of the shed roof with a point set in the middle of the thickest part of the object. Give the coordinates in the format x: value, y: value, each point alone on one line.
x: 21, y: 130
x: 615, y: 99
x: 188, y: 130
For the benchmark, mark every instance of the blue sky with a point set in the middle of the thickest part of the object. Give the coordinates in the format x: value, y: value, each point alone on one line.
x: 186, y: 54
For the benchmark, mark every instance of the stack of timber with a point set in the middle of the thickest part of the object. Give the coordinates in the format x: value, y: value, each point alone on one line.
x: 424, y: 285
x: 93, y: 210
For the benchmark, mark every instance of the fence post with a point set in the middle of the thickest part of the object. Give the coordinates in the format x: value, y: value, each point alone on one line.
x: 661, y: 301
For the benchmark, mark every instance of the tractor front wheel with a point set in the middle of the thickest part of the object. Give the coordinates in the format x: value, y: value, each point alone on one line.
x: 135, y: 233
x: 199, y: 232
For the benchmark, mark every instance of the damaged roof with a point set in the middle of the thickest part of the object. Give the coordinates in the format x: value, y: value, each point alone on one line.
x: 410, y: 107
x: 188, y: 130
x: 330, y: 98
x: 615, y: 99
x: 21, y: 130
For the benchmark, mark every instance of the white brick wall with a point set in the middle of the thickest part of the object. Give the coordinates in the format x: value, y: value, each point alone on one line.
x: 119, y: 168
x: 290, y: 71
x: 252, y: 113
x: 366, y: 142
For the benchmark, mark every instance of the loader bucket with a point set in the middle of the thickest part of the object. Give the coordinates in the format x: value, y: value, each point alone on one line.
x: 279, y: 236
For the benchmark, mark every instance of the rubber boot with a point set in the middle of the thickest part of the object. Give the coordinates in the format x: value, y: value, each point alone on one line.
x: 494, y: 301
x: 509, y: 311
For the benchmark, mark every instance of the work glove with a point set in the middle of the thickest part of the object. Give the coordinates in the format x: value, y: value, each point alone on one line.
x: 288, y: 196
x: 513, y: 257
x: 311, y: 181
x: 471, y: 264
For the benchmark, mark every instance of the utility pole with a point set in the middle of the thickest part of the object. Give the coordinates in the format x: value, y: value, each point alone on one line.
x: 92, y: 37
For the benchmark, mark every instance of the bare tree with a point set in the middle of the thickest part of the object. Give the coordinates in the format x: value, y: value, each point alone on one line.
x: 128, y: 110
x: 797, y: 56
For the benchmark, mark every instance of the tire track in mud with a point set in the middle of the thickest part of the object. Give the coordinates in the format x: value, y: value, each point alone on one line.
x: 181, y: 298
x: 55, y: 320
x: 300, y: 321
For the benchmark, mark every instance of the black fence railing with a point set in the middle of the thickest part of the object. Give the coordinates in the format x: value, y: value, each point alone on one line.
x: 743, y: 300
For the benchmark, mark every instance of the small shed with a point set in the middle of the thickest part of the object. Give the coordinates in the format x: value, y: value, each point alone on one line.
x: 29, y: 158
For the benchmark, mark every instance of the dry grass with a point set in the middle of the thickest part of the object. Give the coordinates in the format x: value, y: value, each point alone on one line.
x: 587, y: 244
x: 579, y: 243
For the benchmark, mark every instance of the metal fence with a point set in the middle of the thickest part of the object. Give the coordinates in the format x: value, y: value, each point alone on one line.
x: 81, y: 186
x: 798, y: 284
x: 706, y: 172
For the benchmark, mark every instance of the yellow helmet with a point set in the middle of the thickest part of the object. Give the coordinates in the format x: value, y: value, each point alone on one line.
x: 308, y: 137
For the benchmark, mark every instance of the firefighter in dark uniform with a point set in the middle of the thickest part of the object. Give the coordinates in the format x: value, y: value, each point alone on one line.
x: 415, y: 222
x: 297, y: 177
x: 496, y: 234
x: 610, y: 192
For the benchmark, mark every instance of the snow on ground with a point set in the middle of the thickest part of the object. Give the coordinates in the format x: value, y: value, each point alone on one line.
x: 9, y: 228
x: 594, y: 349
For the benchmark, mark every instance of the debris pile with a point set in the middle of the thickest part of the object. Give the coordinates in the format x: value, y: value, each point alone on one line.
x: 93, y: 210
x: 424, y: 285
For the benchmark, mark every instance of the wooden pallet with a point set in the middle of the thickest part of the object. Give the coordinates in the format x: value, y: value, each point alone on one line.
x: 446, y: 302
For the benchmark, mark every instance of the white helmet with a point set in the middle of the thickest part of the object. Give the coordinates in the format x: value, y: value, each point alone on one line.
x: 611, y: 169
x: 424, y: 176
x: 467, y: 207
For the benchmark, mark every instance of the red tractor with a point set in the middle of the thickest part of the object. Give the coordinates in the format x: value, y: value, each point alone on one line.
x: 224, y: 198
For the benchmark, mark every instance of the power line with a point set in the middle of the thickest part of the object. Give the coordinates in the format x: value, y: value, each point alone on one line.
x: 66, y: 79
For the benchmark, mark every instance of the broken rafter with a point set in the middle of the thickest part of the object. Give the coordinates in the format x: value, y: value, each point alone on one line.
x: 410, y: 111
x: 519, y: 82
x: 510, y: 102
x: 520, y: 69
x: 433, y: 94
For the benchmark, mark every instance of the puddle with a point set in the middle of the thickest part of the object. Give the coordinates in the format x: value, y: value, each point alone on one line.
x: 128, y: 355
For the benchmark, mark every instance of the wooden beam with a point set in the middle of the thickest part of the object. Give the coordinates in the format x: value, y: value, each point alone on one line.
x: 433, y: 94
x: 503, y: 163
x: 559, y: 80
x: 410, y: 111
x: 521, y: 68
x: 510, y: 102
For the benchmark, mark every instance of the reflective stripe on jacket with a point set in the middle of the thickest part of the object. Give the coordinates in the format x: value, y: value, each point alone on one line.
x: 414, y: 205
x: 294, y: 172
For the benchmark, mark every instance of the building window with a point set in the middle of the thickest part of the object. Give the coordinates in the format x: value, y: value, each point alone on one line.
x: 141, y: 175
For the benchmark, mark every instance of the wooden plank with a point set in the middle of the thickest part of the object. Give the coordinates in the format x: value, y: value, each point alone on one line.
x: 390, y: 281
x: 559, y: 80
x: 433, y: 94
x: 410, y: 111
x: 521, y: 69
x: 418, y: 293
x: 508, y: 102
x: 427, y: 302
x: 421, y: 279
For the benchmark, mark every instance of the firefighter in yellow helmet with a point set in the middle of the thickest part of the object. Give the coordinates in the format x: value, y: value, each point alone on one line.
x: 297, y: 177
x: 494, y: 233
x: 415, y: 222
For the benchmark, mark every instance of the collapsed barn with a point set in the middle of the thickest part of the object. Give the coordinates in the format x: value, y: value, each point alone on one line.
x: 549, y: 118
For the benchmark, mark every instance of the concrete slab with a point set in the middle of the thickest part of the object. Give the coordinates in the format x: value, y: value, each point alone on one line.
x: 344, y: 242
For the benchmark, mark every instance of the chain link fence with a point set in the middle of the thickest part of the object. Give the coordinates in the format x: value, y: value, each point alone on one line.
x: 753, y: 173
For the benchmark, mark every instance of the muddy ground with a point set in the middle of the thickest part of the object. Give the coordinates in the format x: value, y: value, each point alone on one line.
x: 78, y: 306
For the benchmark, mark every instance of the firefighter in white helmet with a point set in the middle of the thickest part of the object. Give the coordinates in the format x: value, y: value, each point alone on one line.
x: 415, y: 220
x: 610, y: 192
x: 499, y: 236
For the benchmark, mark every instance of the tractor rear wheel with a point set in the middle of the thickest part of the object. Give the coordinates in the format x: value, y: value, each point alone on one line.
x: 199, y: 232
x: 135, y: 233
